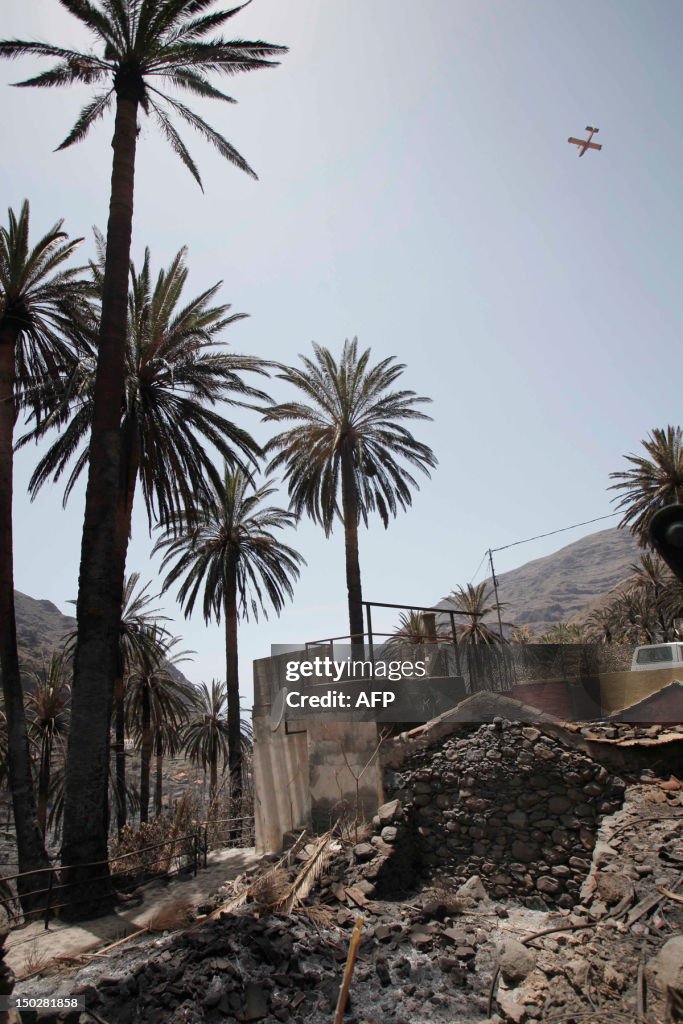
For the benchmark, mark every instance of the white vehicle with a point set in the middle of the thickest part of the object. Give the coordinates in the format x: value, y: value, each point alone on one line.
x: 652, y: 656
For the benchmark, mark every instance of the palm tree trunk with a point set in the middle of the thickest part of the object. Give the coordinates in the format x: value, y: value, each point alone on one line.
x: 233, y: 687
x: 86, y: 817
x: 353, y: 582
x: 159, y: 774
x: 130, y: 462
x: 30, y: 843
x: 213, y: 780
x: 44, y: 781
x: 145, y: 755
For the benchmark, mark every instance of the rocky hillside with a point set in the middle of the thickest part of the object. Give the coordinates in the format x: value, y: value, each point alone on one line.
x: 41, y: 629
x: 560, y: 586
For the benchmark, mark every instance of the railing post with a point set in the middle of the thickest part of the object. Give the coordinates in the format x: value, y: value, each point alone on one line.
x: 49, y: 897
x: 371, y: 646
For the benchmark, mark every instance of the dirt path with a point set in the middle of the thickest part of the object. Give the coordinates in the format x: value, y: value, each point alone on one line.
x: 31, y: 948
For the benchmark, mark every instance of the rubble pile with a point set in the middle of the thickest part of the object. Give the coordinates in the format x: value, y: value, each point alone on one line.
x: 511, y: 805
x: 454, y: 944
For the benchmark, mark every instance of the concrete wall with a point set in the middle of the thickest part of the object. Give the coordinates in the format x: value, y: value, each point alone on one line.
x: 308, y: 774
x: 281, y: 792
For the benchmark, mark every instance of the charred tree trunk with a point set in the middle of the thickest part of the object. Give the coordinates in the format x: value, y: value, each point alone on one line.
x: 30, y: 843
x: 158, y: 792
x: 353, y: 581
x: 86, y: 816
x: 145, y: 754
x: 233, y: 686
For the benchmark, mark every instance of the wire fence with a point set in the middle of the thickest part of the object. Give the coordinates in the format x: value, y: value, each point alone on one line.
x: 176, y: 855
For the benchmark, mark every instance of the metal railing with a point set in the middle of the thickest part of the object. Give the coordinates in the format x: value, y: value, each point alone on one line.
x: 192, y: 853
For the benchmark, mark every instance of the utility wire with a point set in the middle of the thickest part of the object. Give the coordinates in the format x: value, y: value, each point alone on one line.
x: 476, y: 572
x: 553, y: 532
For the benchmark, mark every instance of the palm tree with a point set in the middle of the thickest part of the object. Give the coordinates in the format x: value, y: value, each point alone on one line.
x: 563, y: 633
x: 652, y: 481
x: 476, y: 604
x: 349, y: 440
x: 138, y: 41
x: 175, y: 375
x: 603, y: 624
x: 230, y: 549
x: 207, y: 736
x: 48, y: 714
x: 36, y: 292
x: 156, y: 702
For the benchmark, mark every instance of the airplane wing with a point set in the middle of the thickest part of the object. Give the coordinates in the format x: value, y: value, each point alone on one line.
x: 576, y: 142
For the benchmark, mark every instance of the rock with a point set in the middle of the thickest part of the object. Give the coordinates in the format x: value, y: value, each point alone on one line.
x: 255, y: 1002
x: 666, y: 969
x: 472, y: 892
x: 389, y: 812
x: 549, y: 885
x: 363, y: 852
x: 515, y: 960
x: 613, y: 887
x: 389, y: 833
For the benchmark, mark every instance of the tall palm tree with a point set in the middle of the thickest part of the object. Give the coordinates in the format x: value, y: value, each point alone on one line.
x: 476, y: 603
x: 176, y: 374
x: 138, y: 42
x: 230, y: 550
x: 36, y: 291
x: 207, y: 735
x: 156, y: 701
x: 48, y: 714
x: 651, y: 481
x: 349, y: 441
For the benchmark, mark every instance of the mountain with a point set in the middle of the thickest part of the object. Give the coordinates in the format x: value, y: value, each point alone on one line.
x: 563, y: 585
x: 41, y: 628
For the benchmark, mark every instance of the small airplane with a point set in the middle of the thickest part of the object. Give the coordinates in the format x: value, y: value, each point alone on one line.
x: 585, y: 144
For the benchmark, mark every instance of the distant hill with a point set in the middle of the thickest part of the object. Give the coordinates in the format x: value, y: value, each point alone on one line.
x: 564, y: 585
x: 41, y: 628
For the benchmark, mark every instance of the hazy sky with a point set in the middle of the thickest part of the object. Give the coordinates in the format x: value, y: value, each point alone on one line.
x: 417, y: 190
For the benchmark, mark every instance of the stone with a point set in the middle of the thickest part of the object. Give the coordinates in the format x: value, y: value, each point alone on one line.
x: 389, y: 812
x: 473, y: 891
x: 363, y: 852
x: 549, y: 885
x: 517, y: 819
x: 515, y: 960
x: 524, y: 852
x: 613, y: 887
x: 255, y: 1002
x: 559, y: 804
x: 666, y: 969
x: 389, y: 833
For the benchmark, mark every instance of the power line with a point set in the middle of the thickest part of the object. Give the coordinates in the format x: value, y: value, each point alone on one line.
x: 540, y: 536
x: 476, y: 571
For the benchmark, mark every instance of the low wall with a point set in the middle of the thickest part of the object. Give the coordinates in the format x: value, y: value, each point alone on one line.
x: 593, y: 697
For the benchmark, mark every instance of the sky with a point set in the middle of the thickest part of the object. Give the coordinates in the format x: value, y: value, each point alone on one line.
x: 416, y: 190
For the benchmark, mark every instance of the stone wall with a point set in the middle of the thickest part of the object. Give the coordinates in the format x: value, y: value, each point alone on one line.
x: 509, y: 804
